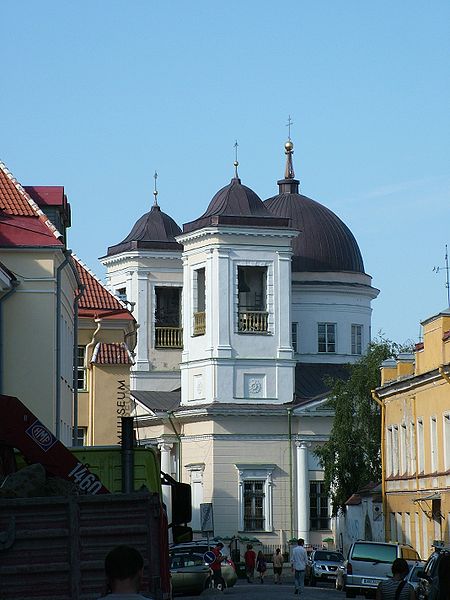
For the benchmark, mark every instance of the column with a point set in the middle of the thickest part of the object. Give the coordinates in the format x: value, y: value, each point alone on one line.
x: 165, y: 449
x: 302, y: 491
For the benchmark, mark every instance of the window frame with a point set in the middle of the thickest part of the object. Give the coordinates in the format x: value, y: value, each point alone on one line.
x: 81, y: 368
x: 320, y: 496
x: 356, y: 339
x: 294, y: 336
x: 330, y: 330
x: 254, y: 473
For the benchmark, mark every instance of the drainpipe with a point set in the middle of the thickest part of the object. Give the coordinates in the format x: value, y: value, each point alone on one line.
x: 170, y: 415
x: 14, y: 284
x: 67, y: 254
x: 383, y: 457
x: 91, y: 382
x: 291, y: 484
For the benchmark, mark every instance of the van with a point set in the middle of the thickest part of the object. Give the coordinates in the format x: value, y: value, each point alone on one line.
x: 368, y: 563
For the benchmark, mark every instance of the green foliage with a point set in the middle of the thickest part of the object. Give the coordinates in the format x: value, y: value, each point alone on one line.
x: 351, y: 457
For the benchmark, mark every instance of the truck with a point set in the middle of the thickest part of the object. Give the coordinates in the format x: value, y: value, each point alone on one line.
x: 54, y: 547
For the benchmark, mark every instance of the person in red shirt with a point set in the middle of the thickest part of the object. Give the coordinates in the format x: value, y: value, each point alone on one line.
x: 216, y: 566
x: 250, y: 562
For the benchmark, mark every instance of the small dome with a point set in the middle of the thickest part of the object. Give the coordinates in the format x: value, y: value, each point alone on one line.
x: 154, y: 230
x: 324, y: 243
x: 236, y: 204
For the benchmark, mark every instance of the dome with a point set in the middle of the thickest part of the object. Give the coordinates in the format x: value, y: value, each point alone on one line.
x: 236, y: 204
x: 324, y: 243
x: 154, y: 230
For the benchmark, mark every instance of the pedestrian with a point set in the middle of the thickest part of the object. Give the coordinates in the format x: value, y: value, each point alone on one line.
x: 124, y: 566
x: 299, y: 561
x: 261, y: 566
x: 250, y: 562
x: 396, y: 588
x: 440, y: 585
x: 277, y: 560
x: 216, y: 566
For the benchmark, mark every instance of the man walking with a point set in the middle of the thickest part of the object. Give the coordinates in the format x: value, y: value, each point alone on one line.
x: 299, y: 560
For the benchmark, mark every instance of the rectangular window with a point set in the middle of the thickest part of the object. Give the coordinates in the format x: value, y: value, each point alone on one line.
x: 404, y: 455
x: 420, y: 446
x: 81, y: 368
x: 252, y: 303
x: 199, y: 301
x: 294, y: 329
x: 434, y: 448
x: 357, y: 339
x: 389, y: 452
x: 168, y: 332
x: 395, y: 451
x: 447, y: 442
x: 412, y: 448
x: 326, y: 337
x: 80, y: 440
x: 319, y: 513
x: 254, y: 505
x: 121, y: 293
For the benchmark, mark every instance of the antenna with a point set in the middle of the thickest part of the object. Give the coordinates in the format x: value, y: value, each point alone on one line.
x: 446, y: 268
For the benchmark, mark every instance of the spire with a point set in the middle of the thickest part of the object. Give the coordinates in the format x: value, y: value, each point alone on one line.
x: 236, y: 162
x: 289, y: 185
x: 155, y: 194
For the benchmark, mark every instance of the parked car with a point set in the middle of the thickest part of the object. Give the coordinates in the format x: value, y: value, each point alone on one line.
x: 190, y: 573
x: 323, y: 565
x: 412, y: 576
x: 368, y: 563
x: 430, y: 570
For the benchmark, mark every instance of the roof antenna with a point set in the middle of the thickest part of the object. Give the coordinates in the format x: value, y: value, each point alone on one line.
x: 155, y: 191
x: 289, y: 151
x: 236, y: 162
x: 447, y: 283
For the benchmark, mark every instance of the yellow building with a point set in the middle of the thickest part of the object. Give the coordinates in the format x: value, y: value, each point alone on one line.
x: 415, y: 397
x: 106, y: 339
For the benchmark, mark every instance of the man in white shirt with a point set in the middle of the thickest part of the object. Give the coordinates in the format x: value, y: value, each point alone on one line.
x: 298, y: 561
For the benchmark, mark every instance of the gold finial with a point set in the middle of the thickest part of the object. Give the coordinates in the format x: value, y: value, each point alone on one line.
x: 155, y: 191
x: 289, y: 151
x: 236, y: 162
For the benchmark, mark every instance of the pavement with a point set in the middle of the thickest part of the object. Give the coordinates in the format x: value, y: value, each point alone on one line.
x: 268, y: 590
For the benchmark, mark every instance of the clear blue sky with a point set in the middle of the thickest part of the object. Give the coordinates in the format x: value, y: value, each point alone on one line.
x: 95, y: 95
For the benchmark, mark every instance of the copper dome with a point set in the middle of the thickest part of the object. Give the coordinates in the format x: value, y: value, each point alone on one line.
x: 154, y: 230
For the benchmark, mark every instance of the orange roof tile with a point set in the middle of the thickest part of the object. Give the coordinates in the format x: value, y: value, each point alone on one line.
x: 96, y: 298
x: 111, y: 354
x: 15, y: 201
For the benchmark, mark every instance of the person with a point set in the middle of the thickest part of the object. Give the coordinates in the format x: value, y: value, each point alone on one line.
x: 250, y: 562
x: 440, y: 585
x: 216, y: 566
x: 396, y: 588
x: 124, y: 566
x: 299, y: 561
x: 277, y: 560
x: 261, y: 566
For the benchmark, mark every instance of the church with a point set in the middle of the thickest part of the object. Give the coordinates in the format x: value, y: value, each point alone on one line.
x: 244, y: 314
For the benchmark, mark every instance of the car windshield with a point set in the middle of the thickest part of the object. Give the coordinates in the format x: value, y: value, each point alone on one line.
x: 374, y: 552
x: 329, y: 556
x: 414, y: 571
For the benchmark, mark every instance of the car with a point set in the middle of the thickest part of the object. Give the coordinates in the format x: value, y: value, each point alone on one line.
x: 430, y: 570
x: 323, y: 565
x: 413, y: 577
x: 189, y: 571
x: 368, y: 563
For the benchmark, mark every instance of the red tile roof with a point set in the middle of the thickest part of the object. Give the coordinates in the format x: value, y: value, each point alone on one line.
x: 111, y: 354
x: 22, y: 222
x: 96, y: 300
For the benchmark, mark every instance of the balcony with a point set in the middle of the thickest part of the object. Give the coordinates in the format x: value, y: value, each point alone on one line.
x: 168, y: 337
x: 253, y: 321
x: 199, y: 323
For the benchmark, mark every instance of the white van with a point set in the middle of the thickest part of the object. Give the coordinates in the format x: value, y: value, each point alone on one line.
x: 368, y: 563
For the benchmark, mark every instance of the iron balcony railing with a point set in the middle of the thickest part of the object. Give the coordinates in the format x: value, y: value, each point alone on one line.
x: 253, y: 321
x: 169, y: 337
x: 199, y: 323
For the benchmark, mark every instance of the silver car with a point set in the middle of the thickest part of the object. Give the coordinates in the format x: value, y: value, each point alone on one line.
x: 323, y: 566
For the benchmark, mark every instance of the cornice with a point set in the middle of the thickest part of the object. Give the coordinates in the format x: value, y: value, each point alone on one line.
x: 235, y: 231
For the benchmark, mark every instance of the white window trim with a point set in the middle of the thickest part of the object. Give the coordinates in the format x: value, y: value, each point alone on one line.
x: 354, y: 342
x: 335, y: 351
x: 446, y: 438
x: 263, y: 473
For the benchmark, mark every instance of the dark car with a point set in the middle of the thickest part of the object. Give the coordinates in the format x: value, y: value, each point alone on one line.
x: 430, y: 570
x: 323, y: 566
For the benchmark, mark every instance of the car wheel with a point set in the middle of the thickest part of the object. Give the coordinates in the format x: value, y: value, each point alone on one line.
x: 349, y: 594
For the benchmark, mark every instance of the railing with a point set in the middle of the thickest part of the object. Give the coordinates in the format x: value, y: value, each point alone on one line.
x: 168, y: 337
x: 253, y: 321
x: 199, y: 323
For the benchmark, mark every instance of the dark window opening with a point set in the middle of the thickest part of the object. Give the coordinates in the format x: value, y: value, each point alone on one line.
x: 252, y: 303
x: 319, y: 514
x: 254, y: 505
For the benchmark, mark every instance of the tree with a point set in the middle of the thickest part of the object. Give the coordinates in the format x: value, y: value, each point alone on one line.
x: 351, y: 457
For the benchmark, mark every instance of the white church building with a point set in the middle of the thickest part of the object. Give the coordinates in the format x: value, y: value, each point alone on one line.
x: 243, y: 315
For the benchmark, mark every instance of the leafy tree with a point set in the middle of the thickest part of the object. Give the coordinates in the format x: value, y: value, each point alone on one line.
x: 351, y: 457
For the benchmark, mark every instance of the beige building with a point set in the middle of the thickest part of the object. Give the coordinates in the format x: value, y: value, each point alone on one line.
x: 415, y: 397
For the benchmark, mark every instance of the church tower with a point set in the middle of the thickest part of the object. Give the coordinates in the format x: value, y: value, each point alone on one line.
x: 236, y: 300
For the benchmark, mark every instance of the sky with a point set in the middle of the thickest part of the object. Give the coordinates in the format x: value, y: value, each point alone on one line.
x: 96, y: 95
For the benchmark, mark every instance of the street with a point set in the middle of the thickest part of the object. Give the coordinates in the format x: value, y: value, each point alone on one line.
x: 245, y: 591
